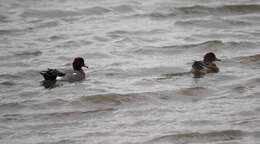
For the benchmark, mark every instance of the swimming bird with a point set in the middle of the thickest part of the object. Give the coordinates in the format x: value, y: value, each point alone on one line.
x: 207, y: 65
x: 74, y: 75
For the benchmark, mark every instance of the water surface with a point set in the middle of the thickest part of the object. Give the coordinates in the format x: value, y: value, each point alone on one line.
x: 138, y: 89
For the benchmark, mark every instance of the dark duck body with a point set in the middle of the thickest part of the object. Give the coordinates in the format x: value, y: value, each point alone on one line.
x: 207, y: 65
x: 51, y: 74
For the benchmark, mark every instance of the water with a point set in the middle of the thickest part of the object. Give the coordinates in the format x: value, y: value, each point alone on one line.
x: 138, y: 89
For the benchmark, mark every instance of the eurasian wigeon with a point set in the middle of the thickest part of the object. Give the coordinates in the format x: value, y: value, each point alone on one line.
x: 76, y: 74
x: 207, y: 65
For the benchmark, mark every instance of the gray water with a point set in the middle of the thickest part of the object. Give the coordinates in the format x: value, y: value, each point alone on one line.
x: 138, y: 89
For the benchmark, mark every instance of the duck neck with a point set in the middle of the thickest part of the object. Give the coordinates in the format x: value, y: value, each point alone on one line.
x: 207, y: 62
x: 77, y: 68
x: 82, y: 73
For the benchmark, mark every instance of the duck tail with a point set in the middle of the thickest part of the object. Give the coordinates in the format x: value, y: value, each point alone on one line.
x: 198, y: 65
x: 51, y: 74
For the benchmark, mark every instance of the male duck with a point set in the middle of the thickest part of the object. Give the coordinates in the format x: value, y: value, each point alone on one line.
x: 75, y: 75
x: 207, y: 65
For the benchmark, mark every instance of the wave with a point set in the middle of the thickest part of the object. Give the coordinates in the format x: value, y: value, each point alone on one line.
x: 46, y: 24
x: 182, y: 12
x: 119, y: 33
x: 116, y: 99
x: 209, y: 23
x: 251, y: 61
x: 101, y: 102
x: 206, y: 43
x: 221, y: 10
x: 10, y: 31
x: 7, y: 83
x: 28, y: 53
x: 9, y: 106
x: 123, y: 9
x: 64, y: 13
x: 213, y: 43
x: 199, y: 11
x: 94, y: 11
x: 49, y: 13
x: 253, y: 58
x: 3, y: 19
x: 196, y: 137
x: 9, y: 76
x: 75, y: 114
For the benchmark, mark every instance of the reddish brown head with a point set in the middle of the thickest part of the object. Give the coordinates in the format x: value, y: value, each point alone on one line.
x: 78, y: 63
x: 210, y: 57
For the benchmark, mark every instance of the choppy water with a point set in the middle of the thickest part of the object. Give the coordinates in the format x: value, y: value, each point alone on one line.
x: 137, y: 89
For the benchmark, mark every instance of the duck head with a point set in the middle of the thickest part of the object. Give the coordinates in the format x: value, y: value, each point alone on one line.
x: 210, y: 57
x: 78, y: 63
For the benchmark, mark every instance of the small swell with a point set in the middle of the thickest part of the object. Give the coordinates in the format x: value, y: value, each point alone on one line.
x: 9, y: 106
x: 124, y: 32
x: 123, y: 9
x: 8, y: 32
x: 9, y: 76
x: 156, y: 15
x: 94, y: 11
x: 248, y: 61
x: 199, y: 11
x: 56, y: 102
x: 219, y: 23
x: 49, y: 13
x: 56, y: 115
x: 3, y: 19
x: 213, y: 44
x: 171, y: 75
x: 7, y: 83
x: 115, y: 99
x: 28, y: 53
x: 72, y: 113
x: 241, y: 8
x: 226, y: 135
x: 98, y: 55
x: 221, y: 10
x: 202, y: 44
x: 47, y: 24
x: 95, y: 103
x: 111, y: 99
x: 254, y: 58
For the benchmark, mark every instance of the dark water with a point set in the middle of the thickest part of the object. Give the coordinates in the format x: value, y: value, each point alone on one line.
x: 138, y: 89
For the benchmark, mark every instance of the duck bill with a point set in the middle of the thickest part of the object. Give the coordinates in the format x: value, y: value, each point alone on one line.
x: 85, y: 66
x: 218, y: 59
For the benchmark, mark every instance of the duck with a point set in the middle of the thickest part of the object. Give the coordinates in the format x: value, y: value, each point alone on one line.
x: 207, y: 65
x: 76, y: 74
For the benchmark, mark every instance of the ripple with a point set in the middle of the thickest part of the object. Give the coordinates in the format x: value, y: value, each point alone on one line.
x: 47, y: 24
x: 9, y: 32
x: 7, y: 83
x: 9, y: 76
x: 204, y: 44
x: 11, y: 106
x: 202, y: 11
x: 209, y: 23
x: 49, y: 13
x: 221, y: 10
x: 252, y: 61
x: 28, y: 53
x: 227, y: 135
x: 94, y: 11
x: 123, y: 9
x: 3, y: 19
